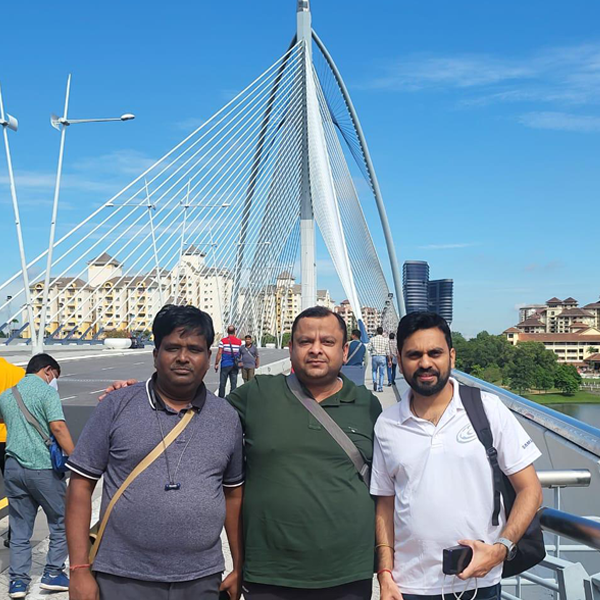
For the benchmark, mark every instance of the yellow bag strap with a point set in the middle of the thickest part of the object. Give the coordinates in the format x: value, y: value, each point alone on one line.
x: 141, y: 467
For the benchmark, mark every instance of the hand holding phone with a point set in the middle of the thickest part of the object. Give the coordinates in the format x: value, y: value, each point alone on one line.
x: 456, y: 559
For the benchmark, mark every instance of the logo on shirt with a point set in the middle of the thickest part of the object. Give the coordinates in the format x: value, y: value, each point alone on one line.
x: 466, y: 434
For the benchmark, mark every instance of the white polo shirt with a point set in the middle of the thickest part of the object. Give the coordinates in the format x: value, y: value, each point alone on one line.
x: 442, y: 483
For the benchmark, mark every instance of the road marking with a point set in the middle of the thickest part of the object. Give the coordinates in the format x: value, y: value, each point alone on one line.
x: 99, y: 354
x: 3, y: 503
x: 98, y: 391
x: 91, y: 380
x: 69, y: 398
x: 140, y: 363
x: 107, y: 368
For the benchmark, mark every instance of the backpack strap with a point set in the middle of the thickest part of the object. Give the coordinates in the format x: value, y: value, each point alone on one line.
x: 356, y: 349
x: 471, y: 399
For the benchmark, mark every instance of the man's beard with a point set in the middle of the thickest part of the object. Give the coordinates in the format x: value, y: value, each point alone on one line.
x: 429, y: 389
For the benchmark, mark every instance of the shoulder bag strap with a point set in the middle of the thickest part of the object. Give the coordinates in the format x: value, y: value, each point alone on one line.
x: 332, y: 428
x: 471, y: 399
x: 28, y: 416
x: 141, y: 467
x: 356, y: 349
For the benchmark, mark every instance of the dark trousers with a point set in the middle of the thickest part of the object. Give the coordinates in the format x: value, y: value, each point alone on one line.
x: 391, y: 373
x: 232, y: 374
x: 357, y: 590
x: 122, y: 588
x: 486, y: 593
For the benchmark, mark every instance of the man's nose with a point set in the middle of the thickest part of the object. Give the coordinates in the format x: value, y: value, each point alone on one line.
x: 425, y: 362
x: 183, y: 356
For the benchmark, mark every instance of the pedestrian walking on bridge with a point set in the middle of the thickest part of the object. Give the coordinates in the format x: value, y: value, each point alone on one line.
x: 29, y: 479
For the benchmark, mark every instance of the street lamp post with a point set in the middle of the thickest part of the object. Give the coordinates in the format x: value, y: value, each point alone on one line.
x: 9, y: 122
x: 61, y: 123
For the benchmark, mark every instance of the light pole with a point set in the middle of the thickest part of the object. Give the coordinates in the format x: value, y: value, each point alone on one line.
x: 9, y: 122
x: 61, y: 123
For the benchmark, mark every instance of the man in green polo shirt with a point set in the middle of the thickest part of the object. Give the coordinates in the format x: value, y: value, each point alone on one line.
x: 309, y: 521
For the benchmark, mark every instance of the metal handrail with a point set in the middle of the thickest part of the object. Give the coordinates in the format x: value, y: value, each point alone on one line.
x: 565, y: 478
x: 582, y: 530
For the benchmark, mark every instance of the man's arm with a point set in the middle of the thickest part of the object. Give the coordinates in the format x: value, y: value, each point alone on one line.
x: 384, y: 540
x: 82, y: 586
x: 257, y: 361
x: 233, y: 528
x: 62, y: 434
x: 528, y: 500
x: 218, y: 358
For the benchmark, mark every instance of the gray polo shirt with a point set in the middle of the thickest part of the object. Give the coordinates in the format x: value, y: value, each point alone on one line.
x: 248, y: 356
x: 153, y: 534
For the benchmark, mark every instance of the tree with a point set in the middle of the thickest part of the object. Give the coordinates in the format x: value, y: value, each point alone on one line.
x: 492, y: 373
x: 531, y: 367
x: 267, y: 338
x: 567, y: 379
x: 592, y: 350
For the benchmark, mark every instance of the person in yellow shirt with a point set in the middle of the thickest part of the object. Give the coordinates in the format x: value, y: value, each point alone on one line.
x: 10, y: 375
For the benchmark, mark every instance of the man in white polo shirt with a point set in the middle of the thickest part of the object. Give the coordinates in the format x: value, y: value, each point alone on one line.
x: 432, y: 478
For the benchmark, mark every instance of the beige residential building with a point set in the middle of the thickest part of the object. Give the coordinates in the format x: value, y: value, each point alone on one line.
x: 573, y: 348
x: 372, y: 317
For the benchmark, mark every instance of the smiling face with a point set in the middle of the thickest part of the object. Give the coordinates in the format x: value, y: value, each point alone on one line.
x: 426, y: 361
x: 181, y: 362
x: 317, y: 350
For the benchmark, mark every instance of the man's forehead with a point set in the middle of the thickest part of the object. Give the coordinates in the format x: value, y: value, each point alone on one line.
x: 319, y: 326
x: 425, y: 339
x: 189, y: 337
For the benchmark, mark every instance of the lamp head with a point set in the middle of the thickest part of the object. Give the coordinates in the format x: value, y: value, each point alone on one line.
x: 127, y: 117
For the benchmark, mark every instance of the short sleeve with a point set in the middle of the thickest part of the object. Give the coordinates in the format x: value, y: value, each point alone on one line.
x: 381, y: 482
x: 221, y: 345
x: 53, y: 409
x: 234, y: 473
x: 516, y: 449
x: 91, y: 454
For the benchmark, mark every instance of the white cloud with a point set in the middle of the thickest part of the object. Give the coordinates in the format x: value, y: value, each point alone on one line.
x: 561, y: 121
x: 566, y: 75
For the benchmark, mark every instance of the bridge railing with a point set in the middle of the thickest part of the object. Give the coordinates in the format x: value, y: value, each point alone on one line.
x: 568, y: 580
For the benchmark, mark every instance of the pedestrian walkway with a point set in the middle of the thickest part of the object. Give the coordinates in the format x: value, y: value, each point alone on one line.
x: 40, y: 540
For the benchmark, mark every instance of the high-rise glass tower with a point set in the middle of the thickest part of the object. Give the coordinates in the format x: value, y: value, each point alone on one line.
x: 415, y: 285
x: 441, y: 297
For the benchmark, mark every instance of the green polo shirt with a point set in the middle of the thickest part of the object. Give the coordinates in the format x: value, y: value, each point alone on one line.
x: 309, y: 521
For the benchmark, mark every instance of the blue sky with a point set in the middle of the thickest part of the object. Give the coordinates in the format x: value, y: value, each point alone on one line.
x: 482, y: 119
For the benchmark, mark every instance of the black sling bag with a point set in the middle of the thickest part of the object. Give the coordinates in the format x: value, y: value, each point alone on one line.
x: 530, y: 548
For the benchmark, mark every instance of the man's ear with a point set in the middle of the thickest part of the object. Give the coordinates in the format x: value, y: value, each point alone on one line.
x: 154, y: 355
x: 452, y: 357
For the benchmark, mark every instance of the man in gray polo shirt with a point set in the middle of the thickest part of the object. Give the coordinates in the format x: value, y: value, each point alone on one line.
x: 162, y: 540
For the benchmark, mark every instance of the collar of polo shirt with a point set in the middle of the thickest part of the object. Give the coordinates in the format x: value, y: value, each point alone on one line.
x: 455, y: 404
x: 157, y: 403
x: 344, y: 394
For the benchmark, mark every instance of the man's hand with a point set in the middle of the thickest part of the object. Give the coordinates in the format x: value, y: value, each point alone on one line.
x: 117, y: 385
x: 83, y: 586
x: 232, y: 584
x: 388, y: 587
x: 485, y: 558
x: 216, y: 367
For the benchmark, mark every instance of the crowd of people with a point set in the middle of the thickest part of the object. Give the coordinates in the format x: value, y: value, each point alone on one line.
x: 316, y: 487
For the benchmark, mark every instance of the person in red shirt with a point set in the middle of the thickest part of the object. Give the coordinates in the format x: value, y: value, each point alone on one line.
x: 228, y: 357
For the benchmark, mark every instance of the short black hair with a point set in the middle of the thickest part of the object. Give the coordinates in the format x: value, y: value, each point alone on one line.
x: 424, y: 319
x: 380, y: 331
x: 392, y: 335
x: 41, y: 361
x: 247, y: 336
x: 319, y: 312
x: 357, y: 333
x: 189, y: 318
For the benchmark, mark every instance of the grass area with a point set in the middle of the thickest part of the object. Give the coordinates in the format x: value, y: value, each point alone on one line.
x: 558, y: 398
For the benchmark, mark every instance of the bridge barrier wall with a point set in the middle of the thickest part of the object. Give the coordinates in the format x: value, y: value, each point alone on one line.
x: 275, y: 368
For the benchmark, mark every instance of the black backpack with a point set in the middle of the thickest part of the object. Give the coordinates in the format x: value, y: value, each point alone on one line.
x: 530, y: 548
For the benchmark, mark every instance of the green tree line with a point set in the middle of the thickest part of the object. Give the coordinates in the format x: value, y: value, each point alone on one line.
x: 526, y: 366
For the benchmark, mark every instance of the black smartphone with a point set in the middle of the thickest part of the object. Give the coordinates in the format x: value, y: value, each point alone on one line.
x: 456, y: 559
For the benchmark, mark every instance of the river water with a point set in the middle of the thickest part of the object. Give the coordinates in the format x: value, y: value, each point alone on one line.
x: 588, y: 413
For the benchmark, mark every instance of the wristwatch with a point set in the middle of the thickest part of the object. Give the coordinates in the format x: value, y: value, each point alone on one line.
x: 511, y: 547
